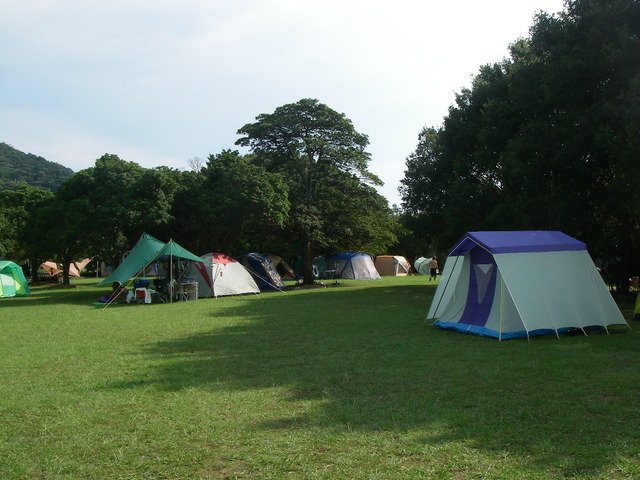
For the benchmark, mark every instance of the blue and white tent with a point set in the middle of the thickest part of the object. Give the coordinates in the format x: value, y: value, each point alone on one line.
x: 353, y: 265
x: 521, y: 283
x: 262, y: 270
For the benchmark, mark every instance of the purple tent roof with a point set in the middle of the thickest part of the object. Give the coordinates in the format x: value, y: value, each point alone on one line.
x: 517, y: 241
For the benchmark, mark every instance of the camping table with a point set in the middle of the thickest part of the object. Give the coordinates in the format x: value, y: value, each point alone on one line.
x: 330, y: 275
x: 188, y: 291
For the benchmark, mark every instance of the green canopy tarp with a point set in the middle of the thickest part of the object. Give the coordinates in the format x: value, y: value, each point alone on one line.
x: 12, y: 281
x: 145, y: 251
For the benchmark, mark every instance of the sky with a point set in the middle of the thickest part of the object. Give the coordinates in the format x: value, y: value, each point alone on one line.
x: 163, y: 82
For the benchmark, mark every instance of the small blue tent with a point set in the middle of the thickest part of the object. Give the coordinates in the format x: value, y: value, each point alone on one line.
x: 521, y: 283
x: 262, y: 270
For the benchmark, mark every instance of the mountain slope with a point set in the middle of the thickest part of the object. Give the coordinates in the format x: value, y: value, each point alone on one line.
x: 19, y: 168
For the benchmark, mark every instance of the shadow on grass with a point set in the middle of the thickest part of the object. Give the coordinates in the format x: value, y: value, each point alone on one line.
x: 79, y: 292
x: 373, y: 363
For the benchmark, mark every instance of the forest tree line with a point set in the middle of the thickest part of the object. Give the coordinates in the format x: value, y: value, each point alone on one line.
x: 547, y: 139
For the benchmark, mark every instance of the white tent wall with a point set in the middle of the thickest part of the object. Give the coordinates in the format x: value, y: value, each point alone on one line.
x: 451, y: 294
x: 225, y: 279
x: 504, y: 315
x: 363, y: 267
x: 558, y: 290
x: 232, y: 279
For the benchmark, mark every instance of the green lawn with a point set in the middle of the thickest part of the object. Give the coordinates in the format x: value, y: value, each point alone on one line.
x: 346, y: 382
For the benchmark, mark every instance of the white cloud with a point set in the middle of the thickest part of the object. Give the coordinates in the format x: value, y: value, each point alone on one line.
x: 161, y: 82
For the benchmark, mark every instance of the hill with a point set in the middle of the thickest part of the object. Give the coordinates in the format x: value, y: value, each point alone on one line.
x: 19, y: 168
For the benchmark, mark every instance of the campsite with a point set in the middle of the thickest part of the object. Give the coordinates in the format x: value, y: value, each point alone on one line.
x: 289, y: 291
x: 334, y: 383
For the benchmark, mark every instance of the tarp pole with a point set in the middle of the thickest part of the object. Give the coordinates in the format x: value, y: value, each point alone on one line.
x: 171, y: 286
x: 125, y: 286
x: 501, y: 303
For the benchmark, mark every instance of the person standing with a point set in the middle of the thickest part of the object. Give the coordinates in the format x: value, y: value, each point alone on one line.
x: 433, y: 268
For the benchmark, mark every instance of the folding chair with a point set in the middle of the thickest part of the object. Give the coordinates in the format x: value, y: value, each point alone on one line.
x: 140, y: 295
x: 161, y: 286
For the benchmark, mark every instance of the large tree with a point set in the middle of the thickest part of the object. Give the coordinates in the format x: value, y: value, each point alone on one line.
x: 320, y: 154
x: 19, y: 236
x: 229, y: 205
x: 102, y: 210
x: 66, y: 225
x: 547, y: 139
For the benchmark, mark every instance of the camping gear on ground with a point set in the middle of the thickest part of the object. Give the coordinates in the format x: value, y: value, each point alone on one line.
x: 221, y: 275
x: 119, y: 294
x: 262, y: 270
x: 394, y: 265
x: 422, y: 265
x: 352, y: 265
x: 513, y: 284
x: 318, y: 265
x: 148, y: 250
x: 12, y: 280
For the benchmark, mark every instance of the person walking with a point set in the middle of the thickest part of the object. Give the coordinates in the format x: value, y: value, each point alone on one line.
x: 433, y: 268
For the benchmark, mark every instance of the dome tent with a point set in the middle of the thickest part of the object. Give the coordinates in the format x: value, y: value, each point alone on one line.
x: 353, y: 265
x: 12, y: 280
x: 219, y: 275
x: 422, y: 265
x: 262, y: 270
x: 394, y: 265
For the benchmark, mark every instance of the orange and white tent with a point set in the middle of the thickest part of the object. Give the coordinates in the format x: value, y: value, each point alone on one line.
x: 392, y: 265
x: 74, y: 269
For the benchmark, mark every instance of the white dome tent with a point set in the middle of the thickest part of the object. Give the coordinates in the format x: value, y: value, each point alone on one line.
x: 219, y: 275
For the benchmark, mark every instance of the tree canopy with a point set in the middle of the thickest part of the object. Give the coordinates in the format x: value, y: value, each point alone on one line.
x: 546, y: 139
x: 323, y: 159
x: 20, y: 237
x: 230, y: 205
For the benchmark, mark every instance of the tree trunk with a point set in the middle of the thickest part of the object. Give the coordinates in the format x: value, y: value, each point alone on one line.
x: 625, y: 272
x: 34, y: 264
x: 307, y: 263
x: 65, y: 270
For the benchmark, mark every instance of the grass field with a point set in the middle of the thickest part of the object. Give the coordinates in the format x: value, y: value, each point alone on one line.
x: 347, y: 382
